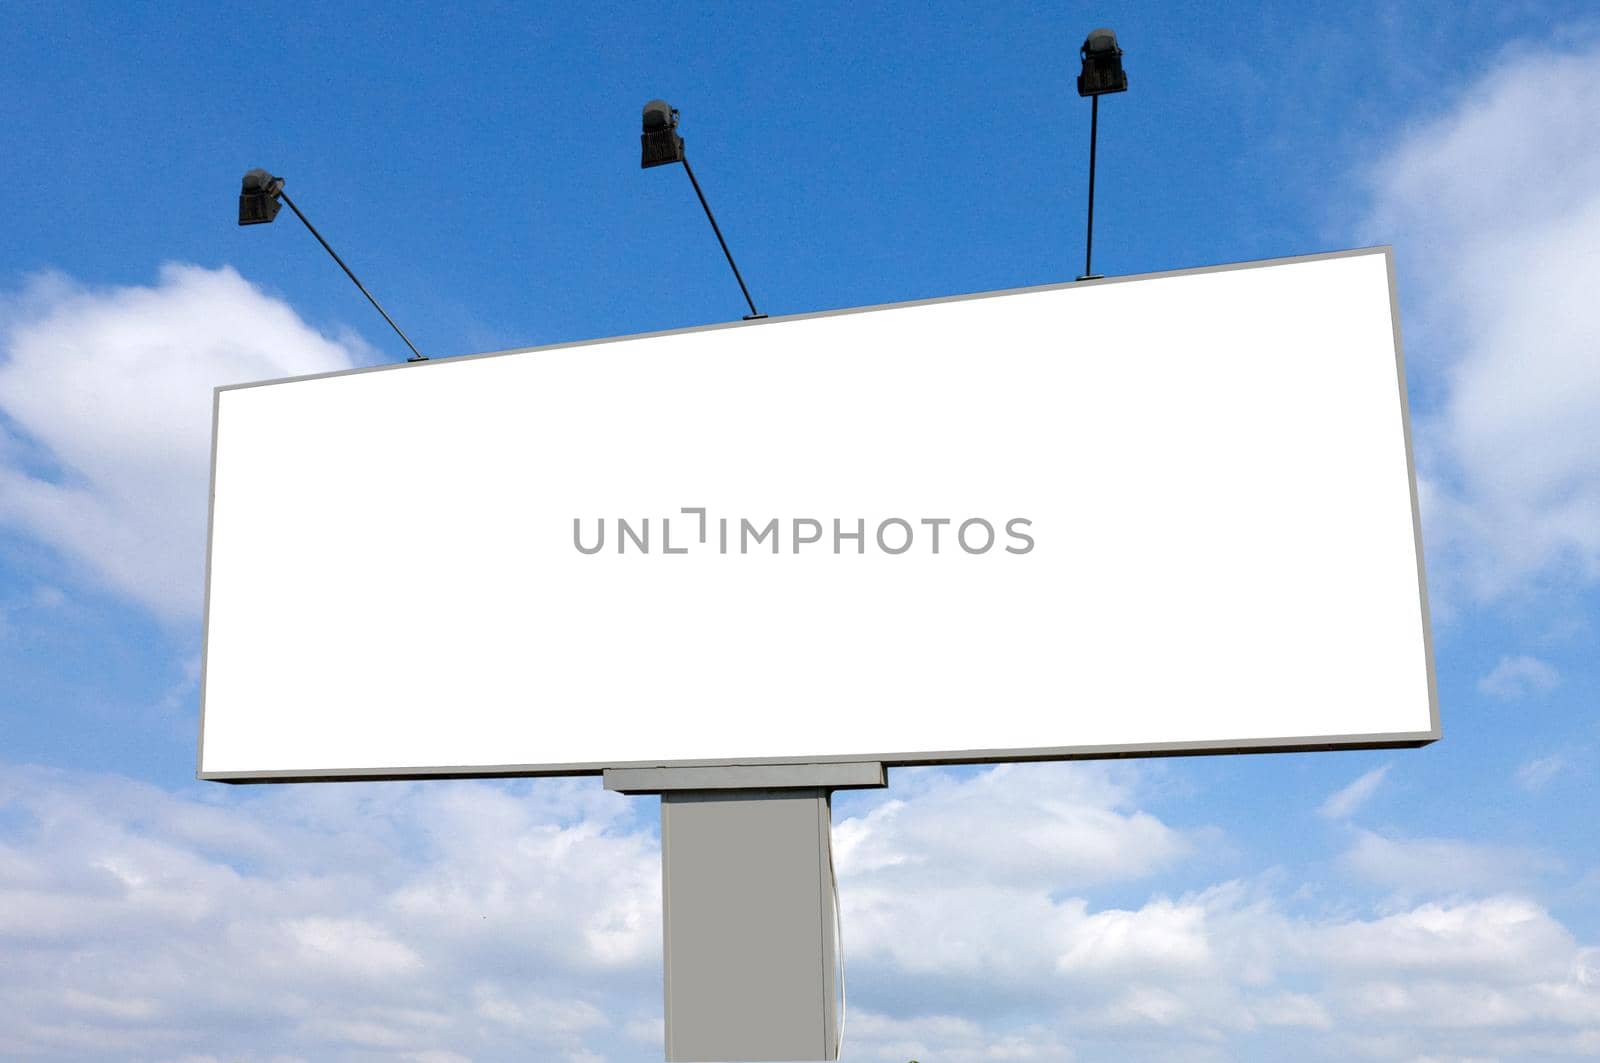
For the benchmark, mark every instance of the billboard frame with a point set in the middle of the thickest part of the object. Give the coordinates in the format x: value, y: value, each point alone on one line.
x: 1284, y: 744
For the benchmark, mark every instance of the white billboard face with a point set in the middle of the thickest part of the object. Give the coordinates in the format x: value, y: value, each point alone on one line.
x: 1164, y: 514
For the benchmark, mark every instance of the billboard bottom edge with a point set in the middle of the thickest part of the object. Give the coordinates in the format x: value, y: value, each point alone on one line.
x: 1401, y: 740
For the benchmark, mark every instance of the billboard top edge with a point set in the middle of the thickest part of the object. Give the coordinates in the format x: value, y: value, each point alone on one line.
x: 1387, y: 250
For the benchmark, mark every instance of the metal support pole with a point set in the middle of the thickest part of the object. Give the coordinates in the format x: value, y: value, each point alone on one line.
x: 747, y: 903
x: 752, y: 969
x: 416, y: 355
x: 1094, y: 135
x: 754, y: 314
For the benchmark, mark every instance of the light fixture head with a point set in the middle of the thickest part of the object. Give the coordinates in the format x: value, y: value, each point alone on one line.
x: 660, y: 143
x: 1102, y: 65
x: 258, y: 197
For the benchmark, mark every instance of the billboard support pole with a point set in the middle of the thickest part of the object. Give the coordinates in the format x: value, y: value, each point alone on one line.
x: 751, y: 965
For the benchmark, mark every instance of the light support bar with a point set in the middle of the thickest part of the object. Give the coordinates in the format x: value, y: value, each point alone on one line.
x: 660, y: 146
x: 416, y: 355
x: 258, y: 204
x: 1088, y: 242
x: 754, y: 314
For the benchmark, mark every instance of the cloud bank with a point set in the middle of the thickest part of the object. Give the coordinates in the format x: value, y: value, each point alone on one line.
x: 485, y: 921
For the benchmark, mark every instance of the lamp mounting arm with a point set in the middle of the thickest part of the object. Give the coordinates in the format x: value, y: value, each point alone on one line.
x: 416, y: 355
x: 754, y: 314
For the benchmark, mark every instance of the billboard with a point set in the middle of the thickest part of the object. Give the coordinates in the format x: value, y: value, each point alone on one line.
x: 1163, y: 514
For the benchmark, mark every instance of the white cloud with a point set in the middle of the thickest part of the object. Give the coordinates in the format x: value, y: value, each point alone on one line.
x: 1537, y: 773
x: 948, y: 1039
x: 1343, y: 803
x: 1442, y: 865
x: 109, y: 392
x: 1514, y: 678
x: 1494, y: 208
x: 1074, y: 824
x: 1496, y: 941
x: 993, y: 859
x: 430, y: 921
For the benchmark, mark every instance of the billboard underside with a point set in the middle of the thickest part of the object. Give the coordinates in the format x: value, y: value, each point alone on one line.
x: 1163, y: 514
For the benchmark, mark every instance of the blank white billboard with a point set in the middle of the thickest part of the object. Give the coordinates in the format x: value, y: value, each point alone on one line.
x: 1162, y: 514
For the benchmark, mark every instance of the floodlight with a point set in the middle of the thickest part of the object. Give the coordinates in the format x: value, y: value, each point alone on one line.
x: 258, y: 197
x: 660, y: 141
x: 259, y: 194
x: 1102, y: 65
x: 660, y: 144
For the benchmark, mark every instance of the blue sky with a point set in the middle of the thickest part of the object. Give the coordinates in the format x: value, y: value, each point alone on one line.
x: 478, y: 168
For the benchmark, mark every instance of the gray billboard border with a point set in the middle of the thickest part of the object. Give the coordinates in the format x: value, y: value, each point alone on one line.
x: 1300, y: 744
